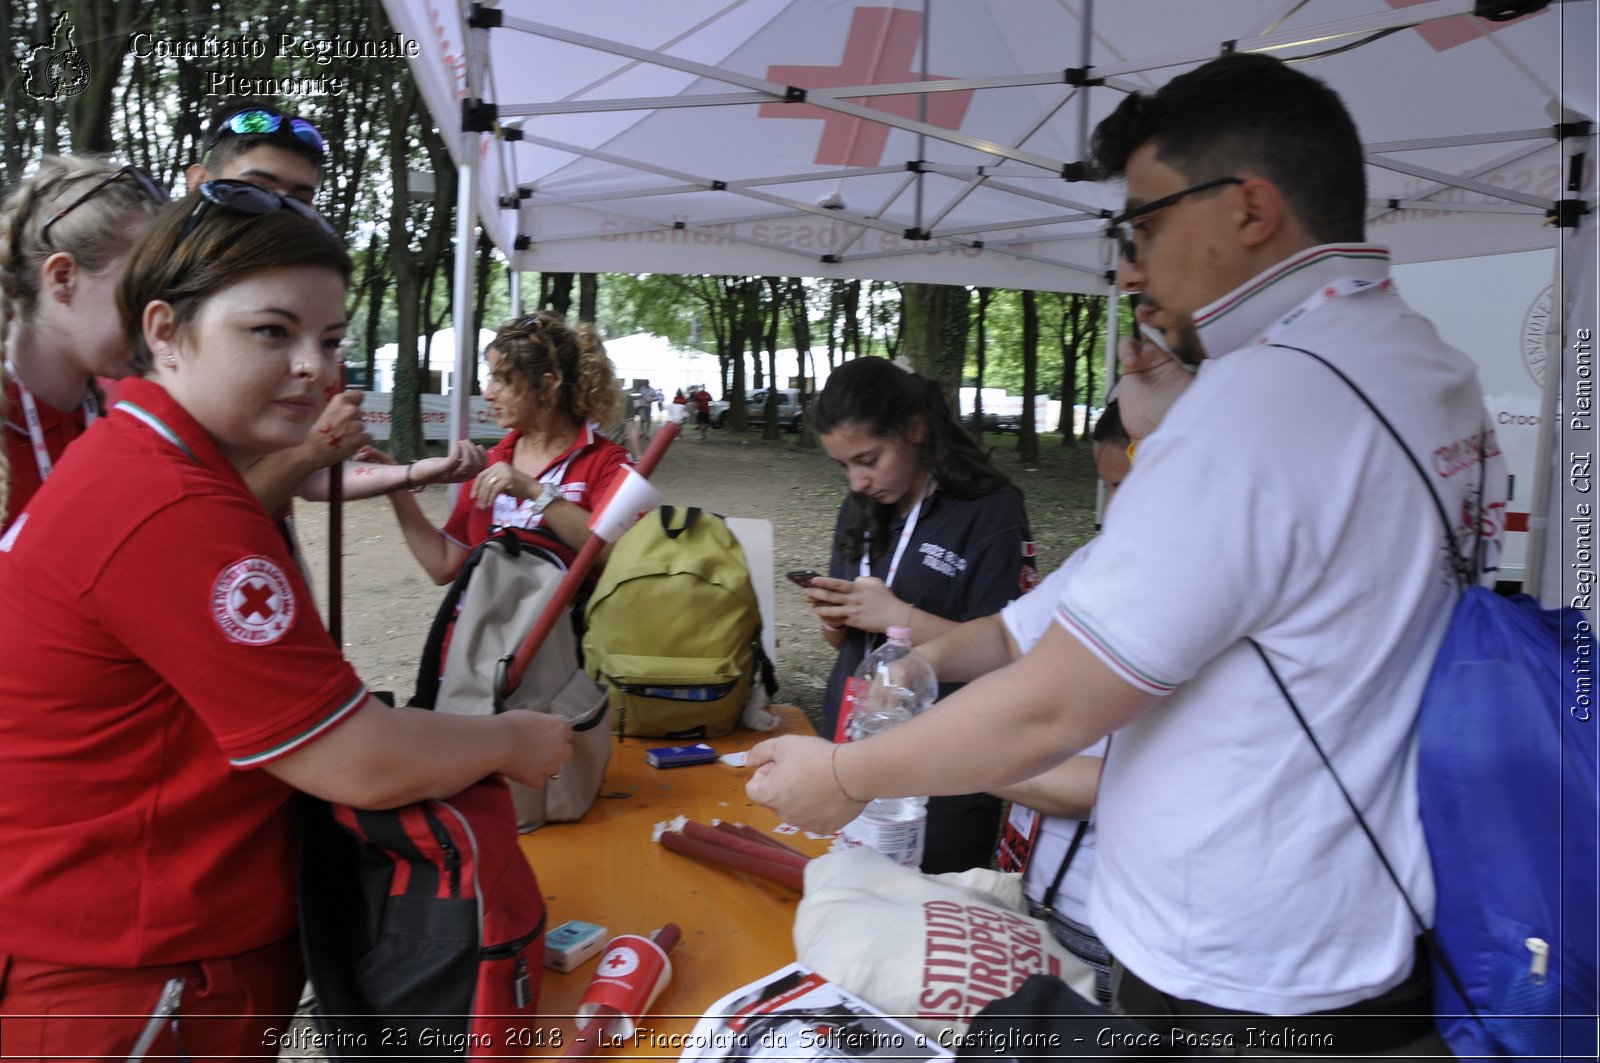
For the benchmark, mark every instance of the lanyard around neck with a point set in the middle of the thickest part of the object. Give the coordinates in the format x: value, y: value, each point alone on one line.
x: 1327, y: 293
x: 905, y: 536
x: 30, y: 414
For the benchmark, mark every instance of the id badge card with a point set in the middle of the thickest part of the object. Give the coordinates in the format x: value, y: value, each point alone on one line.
x: 1021, y: 830
x: 855, y: 692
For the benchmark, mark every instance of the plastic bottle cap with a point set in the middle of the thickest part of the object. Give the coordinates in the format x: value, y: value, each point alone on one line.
x: 899, y: 634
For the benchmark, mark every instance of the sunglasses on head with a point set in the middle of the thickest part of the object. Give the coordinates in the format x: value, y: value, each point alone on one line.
x: 258, y: 121
x: 242, y: 197
x: 143, y: 181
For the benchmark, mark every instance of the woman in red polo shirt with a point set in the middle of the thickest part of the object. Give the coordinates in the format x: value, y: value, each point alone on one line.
x: 65, y: 232
x: 552, y: 385
x: 168, y: 684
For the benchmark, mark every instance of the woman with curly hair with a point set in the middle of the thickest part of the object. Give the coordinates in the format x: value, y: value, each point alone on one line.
x: 552, y: 385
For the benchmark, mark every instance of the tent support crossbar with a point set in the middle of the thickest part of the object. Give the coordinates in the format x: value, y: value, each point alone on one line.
x: 1509, y: 136
x: 780, y: 93
x: 1460, y: 181
x: 1323, y: 34
x: 782, y: 179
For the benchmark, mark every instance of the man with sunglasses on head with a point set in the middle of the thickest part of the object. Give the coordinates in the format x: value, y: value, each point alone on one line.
x: 1272, y: 541
x: 254, y: 142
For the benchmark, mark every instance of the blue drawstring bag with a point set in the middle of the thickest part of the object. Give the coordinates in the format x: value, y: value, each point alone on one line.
x: 1510, y: 802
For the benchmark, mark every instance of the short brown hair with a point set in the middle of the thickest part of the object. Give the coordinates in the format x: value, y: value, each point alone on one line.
x: 223, y: 247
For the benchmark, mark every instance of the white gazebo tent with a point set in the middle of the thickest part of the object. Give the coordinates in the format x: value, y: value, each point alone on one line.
x: 942, y: 140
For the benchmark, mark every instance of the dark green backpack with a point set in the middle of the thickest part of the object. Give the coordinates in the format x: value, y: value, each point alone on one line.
x: 673, y: 628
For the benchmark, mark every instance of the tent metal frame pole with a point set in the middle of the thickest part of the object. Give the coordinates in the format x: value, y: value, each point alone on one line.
x: 461, y: 306
x: 779, y: 93
x: 1322, y: 35
x: 1456, y: 181
x: 745, y: 99
x: 1569, y: 266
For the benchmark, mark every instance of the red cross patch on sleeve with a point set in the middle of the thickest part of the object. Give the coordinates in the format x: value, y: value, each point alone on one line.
x: 253, y: 602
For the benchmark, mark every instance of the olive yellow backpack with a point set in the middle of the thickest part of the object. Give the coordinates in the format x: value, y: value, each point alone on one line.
x: 673, y: 628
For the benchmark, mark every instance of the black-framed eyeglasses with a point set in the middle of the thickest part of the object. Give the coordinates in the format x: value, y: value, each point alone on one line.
x: 144, y: 181
x: 1119, y: 223
x: 258, y: 121
x: 242, y: 197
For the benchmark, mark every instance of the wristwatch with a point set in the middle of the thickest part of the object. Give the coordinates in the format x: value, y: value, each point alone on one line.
x: 548, y: 493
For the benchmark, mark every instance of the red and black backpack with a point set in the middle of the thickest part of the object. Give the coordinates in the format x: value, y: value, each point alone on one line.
x: 423, y: 927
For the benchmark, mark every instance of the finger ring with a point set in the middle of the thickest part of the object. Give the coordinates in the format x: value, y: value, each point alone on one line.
x: 556, y: 776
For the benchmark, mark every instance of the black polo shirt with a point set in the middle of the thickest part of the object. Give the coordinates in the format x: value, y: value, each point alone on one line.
x: 966, y: 558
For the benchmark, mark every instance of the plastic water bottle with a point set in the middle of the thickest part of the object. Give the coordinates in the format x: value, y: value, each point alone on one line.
x: 892, y: 685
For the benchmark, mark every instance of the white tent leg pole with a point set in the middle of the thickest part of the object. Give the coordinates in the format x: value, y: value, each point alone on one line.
x: 1566, y: 568
x: 516, y: 289
x: 1544, y: 470
x: 461, y: 300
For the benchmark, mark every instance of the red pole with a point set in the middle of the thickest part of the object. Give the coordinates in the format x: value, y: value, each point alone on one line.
x: 336, y: 537
x: 568, y: 588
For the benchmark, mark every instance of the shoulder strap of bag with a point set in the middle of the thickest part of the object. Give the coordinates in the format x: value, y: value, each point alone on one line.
x: 431, y: 665
x: 690, y: 515
x: 1464, y: 569
x: 1049, y: 900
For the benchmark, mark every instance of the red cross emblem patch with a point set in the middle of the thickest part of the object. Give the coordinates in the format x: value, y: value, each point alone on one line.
x: 253, y: 602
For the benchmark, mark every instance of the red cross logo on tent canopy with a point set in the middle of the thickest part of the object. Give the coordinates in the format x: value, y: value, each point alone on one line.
x: 1446, y: 33
x: 879, y: 50
x: 253, y: 602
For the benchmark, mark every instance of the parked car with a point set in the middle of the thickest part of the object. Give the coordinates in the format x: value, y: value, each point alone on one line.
x: 789, y: 412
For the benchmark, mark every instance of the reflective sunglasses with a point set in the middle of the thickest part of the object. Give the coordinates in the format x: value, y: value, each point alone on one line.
x: 142, y: 180
x: 1123, y: 235
x: 258, y: 121
x: 242, y: 197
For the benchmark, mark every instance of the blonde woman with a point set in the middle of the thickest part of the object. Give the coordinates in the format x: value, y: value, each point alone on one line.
x: 65, y: 232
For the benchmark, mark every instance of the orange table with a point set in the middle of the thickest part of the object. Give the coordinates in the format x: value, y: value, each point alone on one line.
x: 605, y: 869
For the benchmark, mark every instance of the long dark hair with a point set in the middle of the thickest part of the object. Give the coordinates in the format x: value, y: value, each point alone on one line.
x: 885, y: 400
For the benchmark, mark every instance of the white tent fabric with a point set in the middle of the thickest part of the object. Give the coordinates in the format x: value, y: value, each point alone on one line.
x: 654, y: 137
x: 939, y: 140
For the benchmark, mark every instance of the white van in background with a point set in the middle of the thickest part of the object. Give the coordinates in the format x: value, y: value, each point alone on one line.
x: 1495, y: 309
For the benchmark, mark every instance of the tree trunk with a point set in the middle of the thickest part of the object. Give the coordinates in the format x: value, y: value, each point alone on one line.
x: 800, y: 330
x: 559, y: 297
x: 413, y: 268
x: 934, y: 323
x: 770, y: 428
x: 104, y: 29
x: 588, y: 296
x: 1070, y: 316
x: 1028, y: 433
x: 1094, y: 338
x: 981, y: 355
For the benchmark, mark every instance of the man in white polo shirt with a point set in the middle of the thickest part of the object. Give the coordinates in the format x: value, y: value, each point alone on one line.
x: 1233, y: 885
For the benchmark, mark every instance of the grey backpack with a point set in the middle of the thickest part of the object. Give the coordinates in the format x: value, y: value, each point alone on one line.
x: 490, y: 608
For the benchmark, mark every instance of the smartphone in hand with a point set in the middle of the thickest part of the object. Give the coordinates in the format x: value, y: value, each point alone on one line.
x: 802, y: 577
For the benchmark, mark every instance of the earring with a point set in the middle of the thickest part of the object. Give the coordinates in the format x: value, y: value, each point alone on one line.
x: 170, y: 359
